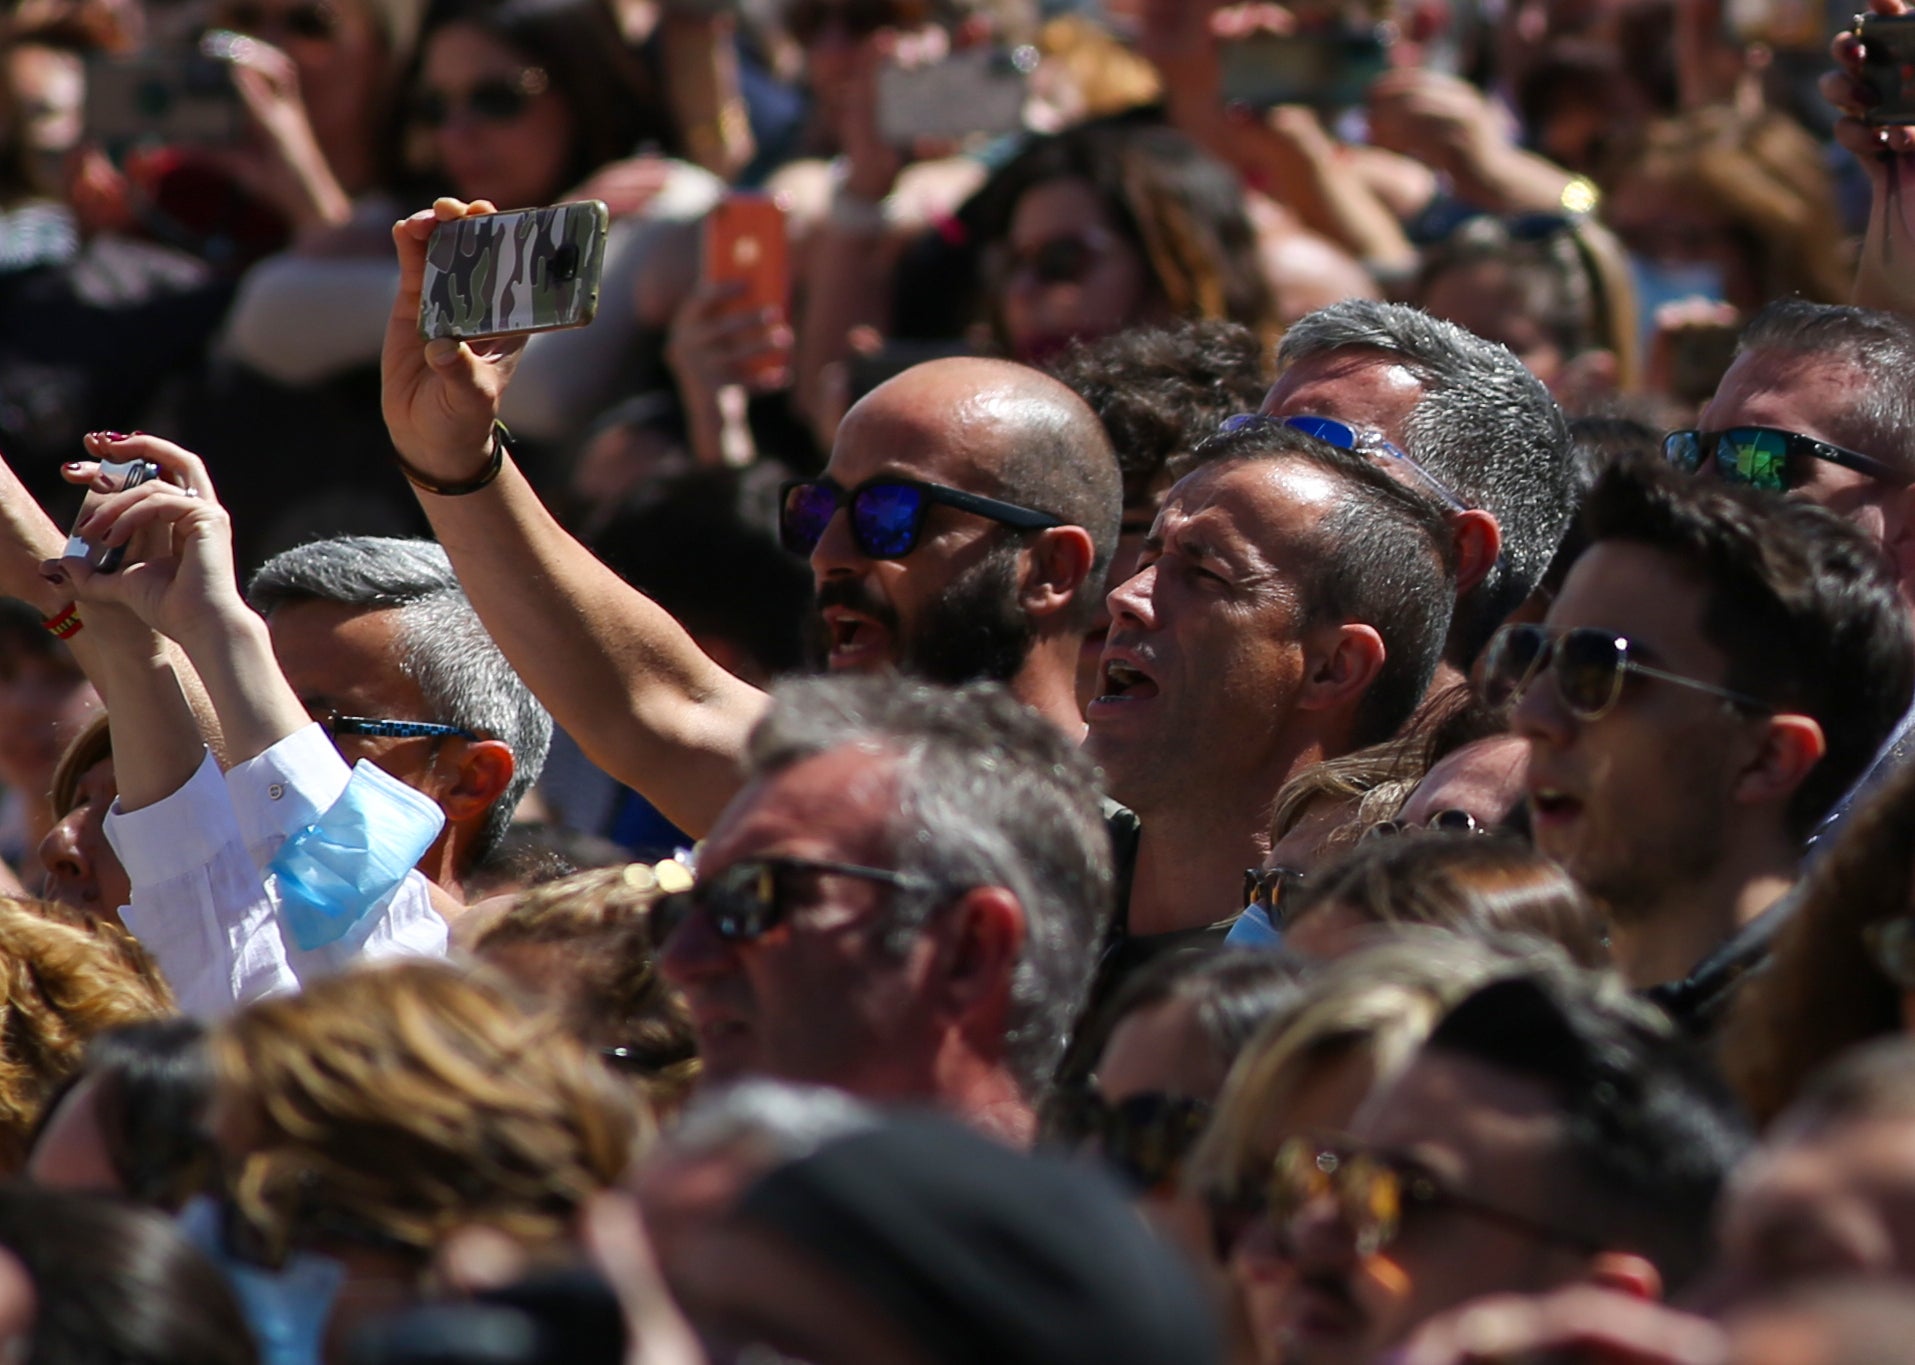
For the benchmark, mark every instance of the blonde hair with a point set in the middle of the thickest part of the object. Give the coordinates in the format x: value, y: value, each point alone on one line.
x: 65, y: 980
x: 613, y: 995
x: 394, y: 1104
x: 1383, y: 1000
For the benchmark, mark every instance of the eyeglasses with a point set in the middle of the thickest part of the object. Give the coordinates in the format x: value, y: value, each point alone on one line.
x: 1067, y: 259
x: 809, y: 20
x: 336, y: 725
x: 1373, y: 1192
x: 1761, y: 457
x: 499, y: 100
x: 1589, y: 666
x: 1145, y: 1137
x: 316, y: 23
x: 752, y: 897
x: 1442, y: 821
x: 1346, y: 437
x: 887, y: 514
x: 1273, y: 886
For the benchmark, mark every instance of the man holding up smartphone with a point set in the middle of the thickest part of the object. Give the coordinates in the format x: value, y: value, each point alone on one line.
x: 984, y: 503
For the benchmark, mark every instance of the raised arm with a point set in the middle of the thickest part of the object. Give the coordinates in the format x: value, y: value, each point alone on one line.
x: 1883, y: 278
x: 612, y: 667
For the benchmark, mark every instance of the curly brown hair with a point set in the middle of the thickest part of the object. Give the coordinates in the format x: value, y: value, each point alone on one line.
x: 391, y: 1105
x: 65, y: 980
x: 585, y: 937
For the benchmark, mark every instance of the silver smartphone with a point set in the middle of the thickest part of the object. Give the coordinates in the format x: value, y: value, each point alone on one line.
x: 120, y: 475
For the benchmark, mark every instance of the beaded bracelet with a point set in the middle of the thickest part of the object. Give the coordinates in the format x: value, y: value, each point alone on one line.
x: 65, y: 623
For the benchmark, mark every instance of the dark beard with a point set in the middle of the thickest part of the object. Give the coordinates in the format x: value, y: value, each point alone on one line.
x: 973, y: 631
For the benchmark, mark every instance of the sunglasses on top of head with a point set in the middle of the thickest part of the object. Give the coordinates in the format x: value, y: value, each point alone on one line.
x: 499, y: 100
x: 1589, y: 666
x: 1767, y: 457
x: 887, y: 513
x: 1346, y: 437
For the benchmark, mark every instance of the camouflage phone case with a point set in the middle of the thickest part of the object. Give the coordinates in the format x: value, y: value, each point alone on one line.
x: 528, y: 271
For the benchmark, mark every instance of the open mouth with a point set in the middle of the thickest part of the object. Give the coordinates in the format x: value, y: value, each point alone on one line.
x: 1553, y: 806
x: 1124, y: 681
x: 855, y: 641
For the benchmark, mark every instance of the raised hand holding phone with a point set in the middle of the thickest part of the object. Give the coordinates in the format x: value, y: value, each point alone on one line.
x: 161, y: 547
x: 441, y: 396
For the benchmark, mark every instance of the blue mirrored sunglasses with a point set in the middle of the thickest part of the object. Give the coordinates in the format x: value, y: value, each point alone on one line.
x: 887, y: 513
x: 1346, y: 437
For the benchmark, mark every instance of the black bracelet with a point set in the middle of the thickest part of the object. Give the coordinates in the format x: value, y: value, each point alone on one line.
x: 501, y: 445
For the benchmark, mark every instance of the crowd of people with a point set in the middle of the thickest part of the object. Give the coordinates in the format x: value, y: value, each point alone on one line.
x: 1259, y: 715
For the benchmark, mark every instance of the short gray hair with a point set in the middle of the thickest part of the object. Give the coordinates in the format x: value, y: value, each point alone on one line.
x: 988, y: 794
x: 443, y: 645
x: 1877, y: 345
x: 1485, y: 426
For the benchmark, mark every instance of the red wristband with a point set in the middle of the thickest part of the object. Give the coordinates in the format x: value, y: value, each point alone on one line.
x: 65, y: 623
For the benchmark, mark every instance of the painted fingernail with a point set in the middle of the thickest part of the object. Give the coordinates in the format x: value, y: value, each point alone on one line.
x: 53, y: 576
x: 73, y: 464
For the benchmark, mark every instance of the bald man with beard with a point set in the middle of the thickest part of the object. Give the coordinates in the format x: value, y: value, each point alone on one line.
x: 996, y: 498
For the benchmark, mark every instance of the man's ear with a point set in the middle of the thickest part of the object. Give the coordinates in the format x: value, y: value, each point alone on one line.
x: 1478, y: 538
x: 1340, y: 663
x: 1626, y: 1273
x: 480, y: 773
x: 1058, y: 571
x: 982, y: 944
x: 1791, y: 745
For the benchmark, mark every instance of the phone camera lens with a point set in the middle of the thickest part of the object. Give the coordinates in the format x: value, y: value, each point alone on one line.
x: 565, y: 263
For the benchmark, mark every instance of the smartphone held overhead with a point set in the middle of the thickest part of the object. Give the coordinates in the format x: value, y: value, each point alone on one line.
x: 1888, y: 67
x: 181, y: 98
x: 745, y: 247
x: 504, y: 274
x: 974, y: 92
x: 1326, y: 68
x: 118, y: 476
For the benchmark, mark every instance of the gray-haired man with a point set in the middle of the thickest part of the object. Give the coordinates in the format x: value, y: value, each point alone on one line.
x: 378, y: 640
x: 903, y: 902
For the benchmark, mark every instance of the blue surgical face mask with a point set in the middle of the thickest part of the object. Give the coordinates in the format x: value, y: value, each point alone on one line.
x: 331, y: 875
x: 287, y: 1308
x: 1660, y: 282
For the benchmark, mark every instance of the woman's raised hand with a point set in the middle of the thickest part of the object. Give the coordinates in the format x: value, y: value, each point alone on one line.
x: 178, y: 575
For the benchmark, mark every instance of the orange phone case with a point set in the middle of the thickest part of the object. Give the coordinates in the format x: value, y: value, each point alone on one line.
x: 745, y: 242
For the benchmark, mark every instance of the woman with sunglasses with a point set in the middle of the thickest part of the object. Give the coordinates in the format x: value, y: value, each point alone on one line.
x: 1108, y: 225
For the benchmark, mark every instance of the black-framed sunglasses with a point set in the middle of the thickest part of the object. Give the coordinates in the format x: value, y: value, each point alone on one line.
x: 887, y: 513
x: 1346, y: 437
x: 498, y: 100
x: 754, y: 895
x: 1273, y: 886
x: 314, y: 22
x: 1589, y: 666
x: 336, y: 725
x: 1067, y: 258
x: 1767, y: 457
x: 1373, y: 1191
x: 1442, y: 822
x: 1143, y: 1137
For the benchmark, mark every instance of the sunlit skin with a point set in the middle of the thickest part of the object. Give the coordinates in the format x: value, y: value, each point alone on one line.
x: 1651, y: 807
x: 82, y: 870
